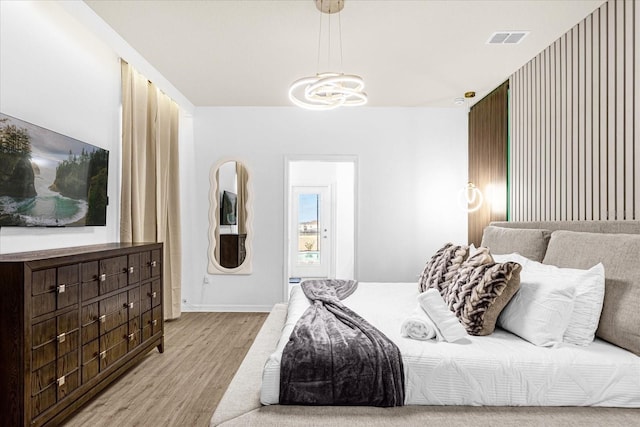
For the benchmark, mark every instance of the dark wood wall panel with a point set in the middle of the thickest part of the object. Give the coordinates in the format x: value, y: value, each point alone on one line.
x: 488, y: 128
x: 574, y: 150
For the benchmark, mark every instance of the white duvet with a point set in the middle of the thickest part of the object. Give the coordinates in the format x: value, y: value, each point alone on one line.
x: 497, y: 370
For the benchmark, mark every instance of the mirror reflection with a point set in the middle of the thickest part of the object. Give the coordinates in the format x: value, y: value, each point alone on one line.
x: 231, y: 215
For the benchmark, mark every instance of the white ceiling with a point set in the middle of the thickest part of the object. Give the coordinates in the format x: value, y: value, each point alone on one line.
x: 409, y: 52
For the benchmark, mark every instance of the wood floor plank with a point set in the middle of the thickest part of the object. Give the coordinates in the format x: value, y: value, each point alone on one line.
x: 182, y: 386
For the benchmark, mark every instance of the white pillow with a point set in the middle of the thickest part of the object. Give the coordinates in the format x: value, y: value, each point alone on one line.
x: 587, y: 306
x: 540, y: 311
x: 589, y: 295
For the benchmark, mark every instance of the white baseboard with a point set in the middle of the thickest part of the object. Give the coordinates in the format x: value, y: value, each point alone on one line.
x: 226, y: 308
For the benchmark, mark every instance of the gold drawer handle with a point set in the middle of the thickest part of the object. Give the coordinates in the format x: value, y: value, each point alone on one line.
x: 128, y: 305
x: 130, y: 270
x: 153, y: 294
x: 154, y: 322
x: 153, y: 263
x: 60, y: 381
x: 102, y: 277
x: 61, y: 337
x: 132, y: 337
x: 103, y: 355
x: 102, y: 318
x: 61, y: 289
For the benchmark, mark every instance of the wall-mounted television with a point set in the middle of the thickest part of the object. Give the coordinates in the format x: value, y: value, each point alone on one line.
x: 228, y: 213
x: 48, y: 179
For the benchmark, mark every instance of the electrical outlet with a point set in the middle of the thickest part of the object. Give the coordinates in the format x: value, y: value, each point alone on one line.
x: 205, y: 280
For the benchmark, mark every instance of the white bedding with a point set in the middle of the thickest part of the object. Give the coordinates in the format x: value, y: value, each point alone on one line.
x: 497, y: 370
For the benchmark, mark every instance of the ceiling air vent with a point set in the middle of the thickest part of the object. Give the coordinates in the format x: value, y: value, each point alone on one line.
x: 507, y: 37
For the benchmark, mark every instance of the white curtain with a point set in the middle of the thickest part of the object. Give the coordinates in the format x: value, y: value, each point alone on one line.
x: 150, y: 195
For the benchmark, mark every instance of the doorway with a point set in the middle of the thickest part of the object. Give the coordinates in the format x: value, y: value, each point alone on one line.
x: 320, y: 219
x: 310, y: 253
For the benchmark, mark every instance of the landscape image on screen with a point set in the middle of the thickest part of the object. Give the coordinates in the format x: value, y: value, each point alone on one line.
x: 48, y: 179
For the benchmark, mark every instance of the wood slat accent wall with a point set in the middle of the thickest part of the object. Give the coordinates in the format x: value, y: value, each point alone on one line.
x: 488, y: 128
x: 574, y: 113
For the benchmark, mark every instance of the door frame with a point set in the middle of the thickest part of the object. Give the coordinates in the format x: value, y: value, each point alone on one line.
x: 288, y: 159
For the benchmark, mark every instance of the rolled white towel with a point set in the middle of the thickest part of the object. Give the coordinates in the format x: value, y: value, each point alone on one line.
x: 447, y: 325
x: 418, y: 326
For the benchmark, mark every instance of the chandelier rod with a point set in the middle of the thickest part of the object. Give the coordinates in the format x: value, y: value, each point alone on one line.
x: 329, y: 43
x: 340, y: 36
x: 319, y: 40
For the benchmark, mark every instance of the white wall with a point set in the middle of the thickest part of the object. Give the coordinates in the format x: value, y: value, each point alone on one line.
x: 59, y: 69
x: 411, y: 164
x: 56, y: 74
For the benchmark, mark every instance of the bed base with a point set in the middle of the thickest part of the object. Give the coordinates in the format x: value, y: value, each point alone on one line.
x: 240, y: 405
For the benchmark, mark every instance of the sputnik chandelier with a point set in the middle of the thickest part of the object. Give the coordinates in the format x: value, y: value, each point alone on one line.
x: 328, y: 90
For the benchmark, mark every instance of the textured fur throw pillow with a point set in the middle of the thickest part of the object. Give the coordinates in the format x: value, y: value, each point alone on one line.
x: 441, y: 268
x: 478, y: 293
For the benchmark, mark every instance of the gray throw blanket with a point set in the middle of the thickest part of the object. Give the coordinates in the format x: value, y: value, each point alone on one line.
x: 335, y: 357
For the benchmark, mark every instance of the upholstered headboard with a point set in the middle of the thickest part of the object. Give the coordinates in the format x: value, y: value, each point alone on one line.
x: 627, y: 227
x: 583, y: 244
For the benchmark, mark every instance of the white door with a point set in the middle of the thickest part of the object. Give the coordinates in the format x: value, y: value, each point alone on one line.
x: 311, y: 232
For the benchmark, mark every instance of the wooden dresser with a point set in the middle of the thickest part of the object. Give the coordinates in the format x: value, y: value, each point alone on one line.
x: 71, y: 321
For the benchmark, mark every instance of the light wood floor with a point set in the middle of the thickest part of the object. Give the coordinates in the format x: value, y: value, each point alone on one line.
x: 182, y: 386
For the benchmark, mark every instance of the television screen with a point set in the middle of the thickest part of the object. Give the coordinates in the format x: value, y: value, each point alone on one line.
x: 48, y: 179
x: 228, y: 208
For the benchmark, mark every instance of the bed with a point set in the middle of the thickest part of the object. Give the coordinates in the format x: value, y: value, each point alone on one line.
x: 483, y: 381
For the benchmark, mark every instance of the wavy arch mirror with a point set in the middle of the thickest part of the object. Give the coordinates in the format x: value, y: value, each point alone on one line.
x: 230, y: 216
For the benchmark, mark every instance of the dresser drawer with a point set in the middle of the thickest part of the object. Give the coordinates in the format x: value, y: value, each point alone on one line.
x: 134, y: 339
x: 133, y: 303
x: 67, y: 383
x: 150, y: 264
x: 113, y: 354
x: 147, y: 328
x: 90, y: 369
x: 67, y: 295
x: 67, y: 363
x: 70, y: 342
x: 114, y: 320
x: 90, y: 322
x: 114, y: 266
x: 43, y: 400
x: 151, y: 322
x: 90, y: 284
x: 90, y: 350
x: 134, y: 268
x: 114, y: 310
x: 90, y: 360
x: 113, y: 274
x: 43, y: 355
x: 68, y: 322
x: 43, y: 378
x: 151, y: 295
x: 43, y: 332
x: 156, y: 323
x: 113, y: 304
x: 43, y: 297
x: 156, y: 293
x: 68, y: 336
x: 67, y: 286
x: 145, y: 300
x: 112, y: 338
